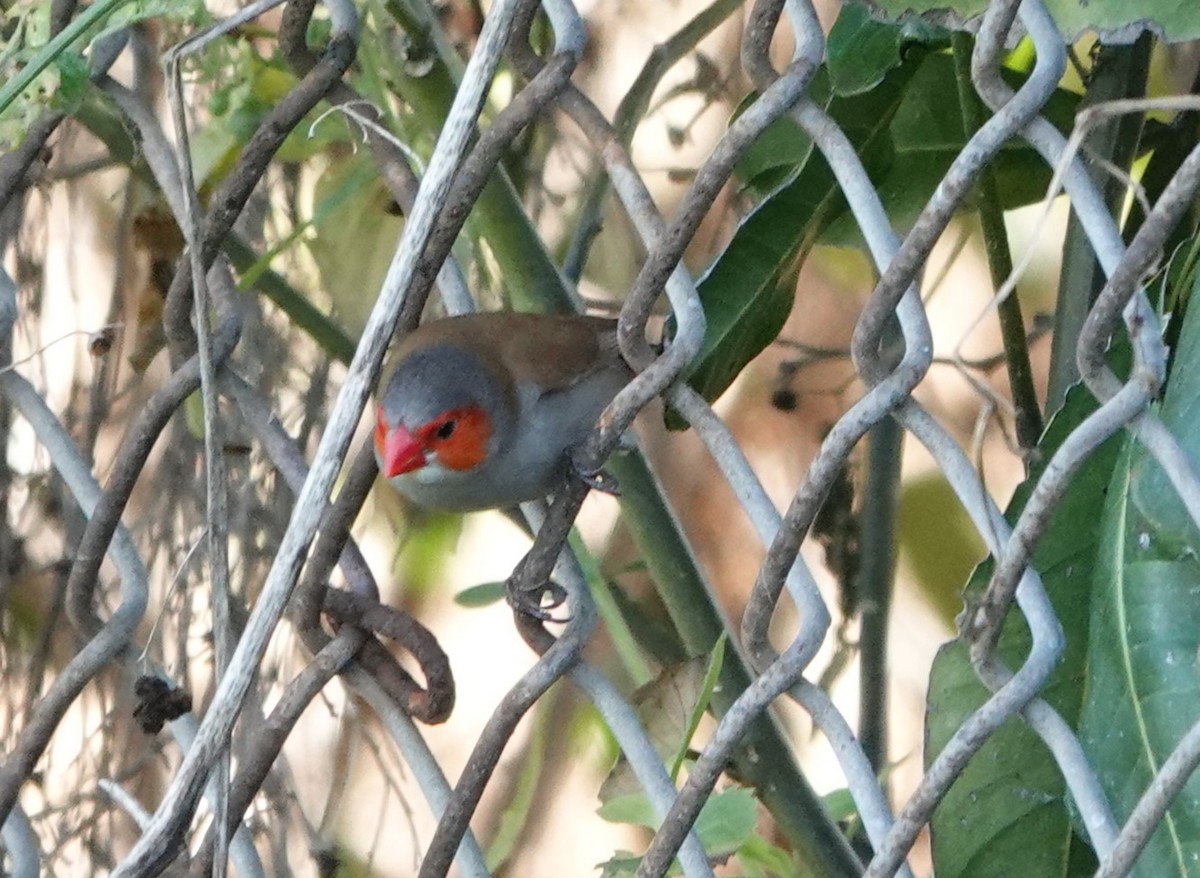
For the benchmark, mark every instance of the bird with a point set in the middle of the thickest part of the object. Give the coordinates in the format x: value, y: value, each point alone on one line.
x: 482, y: 411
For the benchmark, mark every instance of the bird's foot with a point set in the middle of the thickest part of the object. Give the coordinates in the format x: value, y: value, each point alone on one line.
x: 596, y: 479
x: 539, y: 603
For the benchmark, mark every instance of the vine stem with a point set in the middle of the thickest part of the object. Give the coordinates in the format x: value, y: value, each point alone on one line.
x: 1029, y: 422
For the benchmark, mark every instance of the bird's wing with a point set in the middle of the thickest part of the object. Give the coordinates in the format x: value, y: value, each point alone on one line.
x: 558, y: 352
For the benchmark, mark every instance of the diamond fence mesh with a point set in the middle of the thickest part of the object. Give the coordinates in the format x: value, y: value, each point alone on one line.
x: 239, y: 533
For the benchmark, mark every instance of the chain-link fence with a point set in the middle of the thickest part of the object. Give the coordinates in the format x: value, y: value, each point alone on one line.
x: 1115, y: 341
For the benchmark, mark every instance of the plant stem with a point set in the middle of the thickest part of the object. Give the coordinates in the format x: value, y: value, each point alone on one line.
x: 322, y: 328
x: 631, y: 112
x: 999, y: 258
x: 874, y: 585
x: 765, y: 760
x: 1119, y: 72
x: 530, y: 278
x: 47, y: 55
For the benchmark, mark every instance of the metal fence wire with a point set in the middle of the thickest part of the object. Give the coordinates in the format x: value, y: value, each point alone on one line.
x: 892, y: 351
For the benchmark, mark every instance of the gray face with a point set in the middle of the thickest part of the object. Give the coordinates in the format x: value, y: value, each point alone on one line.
x: 437, y: 379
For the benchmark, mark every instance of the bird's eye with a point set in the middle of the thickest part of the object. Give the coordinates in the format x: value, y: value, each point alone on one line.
x: 459, y: 438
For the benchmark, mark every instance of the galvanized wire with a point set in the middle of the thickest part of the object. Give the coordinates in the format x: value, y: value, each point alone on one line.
x: 1014, y: 586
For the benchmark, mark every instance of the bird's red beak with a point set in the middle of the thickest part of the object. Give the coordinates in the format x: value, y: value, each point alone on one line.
x: 399, y: 451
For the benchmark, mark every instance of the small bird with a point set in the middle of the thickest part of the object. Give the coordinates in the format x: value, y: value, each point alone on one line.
x: 482, y: 411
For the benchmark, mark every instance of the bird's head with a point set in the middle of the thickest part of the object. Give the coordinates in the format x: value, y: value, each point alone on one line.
x: 440, y: 405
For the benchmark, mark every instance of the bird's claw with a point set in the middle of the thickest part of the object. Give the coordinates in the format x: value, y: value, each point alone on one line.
x: 538, y: 603
x: 596, y: 479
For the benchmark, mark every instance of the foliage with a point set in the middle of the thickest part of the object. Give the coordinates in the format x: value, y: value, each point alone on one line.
x: 1009, y: 807
x: 898, y: 121
x: 1112, y: 20
x: 1144, y: 625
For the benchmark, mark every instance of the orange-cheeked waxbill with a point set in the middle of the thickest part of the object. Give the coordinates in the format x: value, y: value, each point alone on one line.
x: 481, y: 411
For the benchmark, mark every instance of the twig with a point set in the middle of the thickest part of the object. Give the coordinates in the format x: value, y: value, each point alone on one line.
x: 995, y: 238
x: 217, y: 501
x: 15, y: 165
x: 631, y: 112
x: 157, y: 844
x: 106, y: 640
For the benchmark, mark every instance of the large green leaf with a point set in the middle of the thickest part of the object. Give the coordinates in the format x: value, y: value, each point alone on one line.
x: 747, y: 293
x: 860, y: 51
x: 1166, y: 519
x: 1113, y: 20
x: 927, y: 134
x: 1007, y: 814
x: 905, y: 132
x: 356, y: 234
x: 1143, y: 690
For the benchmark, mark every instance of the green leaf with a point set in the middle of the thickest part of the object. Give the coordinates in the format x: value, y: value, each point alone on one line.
x: 906, y: 133
x: 708, y: 684
x: 483, y: 595
x: 72, y: 82
x: 1007, y: 812
x: 926, y: 135
x: 355, y: 238
x: 1166, y: 519
x: 429, y: 538
x: 191, y: 13
x: 632, y: 808
x: 773, y: 158
x: 941, y: 559
x: 1182, y: 274
x: 840, y: 804
x: 860, y: 51
x: 726, y: 821
x: 1113, y: 20
x: 13, y: 85
x: 670, y: 707
x: 925, y: 124
x: 761, y: 859
x: 1143, y: 691
x: 747, y: 293
x: 621, y: 864
x: 743, y: 316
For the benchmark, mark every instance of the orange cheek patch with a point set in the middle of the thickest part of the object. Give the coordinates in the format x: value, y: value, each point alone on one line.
x: 466, y: 447
x: 380, y: 431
